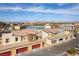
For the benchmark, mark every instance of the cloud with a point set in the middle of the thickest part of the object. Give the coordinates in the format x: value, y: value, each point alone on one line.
x: 73, y: 11
x: 60, y: 4
x: 41, y: 9
x: 11, y: 8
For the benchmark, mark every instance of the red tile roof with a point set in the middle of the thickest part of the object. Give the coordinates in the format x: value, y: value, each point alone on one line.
x: 48, y: 30
x: 24, y: 32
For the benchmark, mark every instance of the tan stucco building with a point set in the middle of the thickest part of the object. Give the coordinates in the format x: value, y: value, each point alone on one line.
x: 57, y: 35
x: 23, y: 40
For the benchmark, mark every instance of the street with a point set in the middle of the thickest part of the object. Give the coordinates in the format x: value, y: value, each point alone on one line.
x: 56, y: 50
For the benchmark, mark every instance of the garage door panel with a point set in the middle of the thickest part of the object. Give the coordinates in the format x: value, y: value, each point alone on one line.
x: 35, y: 46
x: 6, y: 53
x: 22, y: 49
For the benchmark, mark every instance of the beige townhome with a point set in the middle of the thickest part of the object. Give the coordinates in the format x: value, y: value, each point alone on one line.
x: 56, y: 35
x: 77, y: 28
x: 47, y: 25
x: 20, y: 41
x: 69, y: 27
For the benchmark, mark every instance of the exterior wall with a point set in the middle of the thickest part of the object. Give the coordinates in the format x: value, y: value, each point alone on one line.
x: 70, y: 27
x: 63, y: 38
x: 25, y: 39
x: 48, y: 42
x: 57, y: 40
x: 13, y: 51
x: 47, y: 26
x: 52, y: 35
x: 77, y: 28
x: 10, y: 37
x: 17, y: 27
x: 32, y: 38
x: 78, y: 31
x: 44, y: 35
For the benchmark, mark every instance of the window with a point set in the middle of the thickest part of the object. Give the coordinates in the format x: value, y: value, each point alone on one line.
x: 7, y: 40
x: 16, y: 39
x: 54, y: 41
x: 61, y: 39
x: 34, y: 37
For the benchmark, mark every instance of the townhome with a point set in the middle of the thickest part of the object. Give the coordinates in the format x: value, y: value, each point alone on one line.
x: 17, y: 27
x: 22, y: 40
x: 47, y: 26
x: 56, y: 35
x: 77, y: 27
x: 69, y: 27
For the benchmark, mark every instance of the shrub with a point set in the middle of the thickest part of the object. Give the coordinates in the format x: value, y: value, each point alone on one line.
x: 72, y: 51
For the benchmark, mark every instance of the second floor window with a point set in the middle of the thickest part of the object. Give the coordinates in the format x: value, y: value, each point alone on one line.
x: 16, y: 39
x: 7, y: 40
x: 33, y: 38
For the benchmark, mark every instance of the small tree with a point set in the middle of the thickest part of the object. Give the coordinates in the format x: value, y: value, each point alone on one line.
x: 72, y: 51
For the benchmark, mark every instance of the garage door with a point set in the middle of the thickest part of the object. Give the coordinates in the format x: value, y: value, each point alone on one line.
x: 6, y: 53
x: 36, y: 46
x: 22, y: 49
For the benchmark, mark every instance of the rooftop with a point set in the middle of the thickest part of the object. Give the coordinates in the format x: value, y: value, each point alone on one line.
x: 67, y: 24
x: 24, y: 32
x: 48, y: 30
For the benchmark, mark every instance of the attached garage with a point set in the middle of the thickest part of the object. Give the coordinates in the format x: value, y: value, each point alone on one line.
x: 6, y: 53
x: 36, y: 46
x: 22, y: 50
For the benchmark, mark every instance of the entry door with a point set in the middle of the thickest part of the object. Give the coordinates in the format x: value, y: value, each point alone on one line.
x: 22, y: 49
x: 6, y: 53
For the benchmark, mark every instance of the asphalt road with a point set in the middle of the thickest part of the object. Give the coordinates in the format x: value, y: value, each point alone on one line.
x: 56, y: 50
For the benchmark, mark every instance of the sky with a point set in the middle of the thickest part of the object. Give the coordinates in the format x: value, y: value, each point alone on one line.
x: 28, y: 12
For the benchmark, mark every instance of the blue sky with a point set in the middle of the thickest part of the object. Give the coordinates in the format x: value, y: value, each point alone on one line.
x: 25, y: 12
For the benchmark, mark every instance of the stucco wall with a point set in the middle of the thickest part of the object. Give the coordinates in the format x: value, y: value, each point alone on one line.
x: 48, y: 42
x: 44, y: 35
x: 11, y: 38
